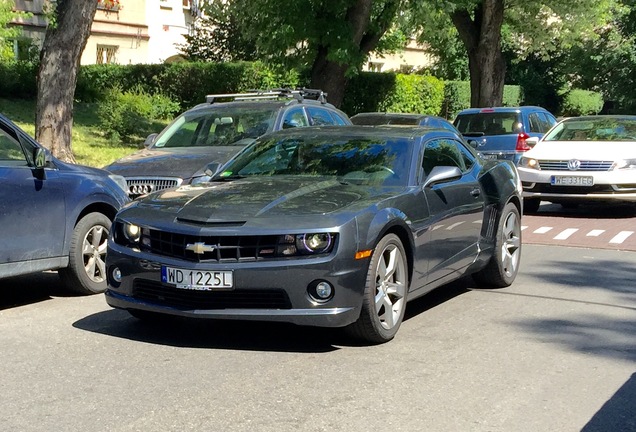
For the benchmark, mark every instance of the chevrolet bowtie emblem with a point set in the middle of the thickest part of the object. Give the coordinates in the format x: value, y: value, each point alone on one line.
x: 200, y: 248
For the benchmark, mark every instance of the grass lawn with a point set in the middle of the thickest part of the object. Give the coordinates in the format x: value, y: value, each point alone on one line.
x: 90, y: 145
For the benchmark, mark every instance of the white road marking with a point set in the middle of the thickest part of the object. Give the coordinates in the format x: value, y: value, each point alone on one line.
x: 621, y: 236
x: 542, y: 230
x: 595, y: 233
x: 477, y: 221
x: 566, y: 233
x: 436, y: 227
x: 523, y: 227
x: 450, y: 227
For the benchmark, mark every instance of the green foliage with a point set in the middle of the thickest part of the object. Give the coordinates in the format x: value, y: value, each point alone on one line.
x: 186, y: 83
x: 370, y: 91
x: 415, y: 94
x: 132, y: 113
x: 8, y: 32
x: 581, y: 102
x: 18, y: 79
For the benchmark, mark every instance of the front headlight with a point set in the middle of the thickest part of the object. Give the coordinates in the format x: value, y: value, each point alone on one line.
x: 132, y: 232
x: 120, y: 181
x: 625, y: 164
x: 304, y: 244
x: 531, y: 163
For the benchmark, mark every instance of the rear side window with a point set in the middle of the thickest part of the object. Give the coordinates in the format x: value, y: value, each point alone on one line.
x: 320, y: 117
x: 489, y: 123
x: 536, y: 125
x: 11, y: 152
x: 295, y: 118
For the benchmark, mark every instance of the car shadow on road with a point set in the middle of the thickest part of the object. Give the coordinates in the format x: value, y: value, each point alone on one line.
x: 618, y: 413
x: 29, y: 289
x: 588, y: 211
x: 244, y: 335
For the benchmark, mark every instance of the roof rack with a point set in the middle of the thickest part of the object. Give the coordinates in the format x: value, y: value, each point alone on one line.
x: 280, y: 93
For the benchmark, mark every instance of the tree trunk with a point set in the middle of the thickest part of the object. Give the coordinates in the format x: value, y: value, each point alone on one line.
x: 482, y: 37
x: 57, y: 75
x: 331, y: 76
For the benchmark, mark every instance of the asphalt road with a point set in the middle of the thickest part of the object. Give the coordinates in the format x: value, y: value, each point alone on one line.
x: 554, y: 352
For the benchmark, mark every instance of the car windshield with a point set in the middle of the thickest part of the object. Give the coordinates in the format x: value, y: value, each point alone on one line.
x: 489, y: 123
x: 371, y: 161
x: 217, y: 127
x: 594, y: 129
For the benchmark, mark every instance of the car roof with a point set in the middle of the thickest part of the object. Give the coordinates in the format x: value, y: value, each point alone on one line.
x: 380, y: 131
x: 272, y: 104
x: 388, y: 114
x: 482, y: 110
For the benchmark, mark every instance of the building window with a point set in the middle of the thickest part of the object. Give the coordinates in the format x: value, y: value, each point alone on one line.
x: 407, y: 69
x: 107, y: 54
x: 375, y: 66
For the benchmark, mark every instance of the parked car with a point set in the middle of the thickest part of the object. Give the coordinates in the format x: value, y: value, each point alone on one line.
x: 326, y: 227
x: 582, y: 159
x: 382, y: 118
x: 54, y: 215
x: 197, y: 142
x: 503, y: 132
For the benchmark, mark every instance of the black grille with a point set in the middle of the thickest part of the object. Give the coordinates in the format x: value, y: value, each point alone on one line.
x: 577, y: 190
x: 219, y: 248
x: 164, y: 295
x: 562, y: 165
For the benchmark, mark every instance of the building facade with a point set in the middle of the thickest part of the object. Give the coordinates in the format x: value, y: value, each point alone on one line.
x: 123, y: 31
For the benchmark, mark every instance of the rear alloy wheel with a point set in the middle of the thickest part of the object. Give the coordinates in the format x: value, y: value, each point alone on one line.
x: 503, y: 266
x: 384, y: 300
x: 531, y: 205
x: 86, y: 271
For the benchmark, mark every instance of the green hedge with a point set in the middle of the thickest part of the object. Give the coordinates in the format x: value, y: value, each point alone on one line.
x: 581, y: 102
x: 390, y: 92
x: 18, y: 80
x: 186, y: 83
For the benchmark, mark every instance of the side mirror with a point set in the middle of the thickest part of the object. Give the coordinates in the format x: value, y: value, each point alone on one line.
x: 39, y: 159
x: 532, y: 141
x: 440, y: 174
x: 150, y: 139
x: 211, y: 168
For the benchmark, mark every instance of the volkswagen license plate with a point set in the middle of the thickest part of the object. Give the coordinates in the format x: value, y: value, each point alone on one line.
x: 197, y: 279
x: 572, y: 181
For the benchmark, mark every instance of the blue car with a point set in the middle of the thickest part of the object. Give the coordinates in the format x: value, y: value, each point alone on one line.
x: 501, y: 132
x: 54, y: 215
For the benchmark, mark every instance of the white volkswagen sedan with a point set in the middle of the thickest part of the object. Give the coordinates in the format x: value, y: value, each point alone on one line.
x: 582, y: 159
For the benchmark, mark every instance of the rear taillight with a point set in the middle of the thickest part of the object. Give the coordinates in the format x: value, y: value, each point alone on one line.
x: 521, y: 142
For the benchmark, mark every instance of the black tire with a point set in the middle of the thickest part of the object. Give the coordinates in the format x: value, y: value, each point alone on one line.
x: 86, y: 271
x: 503, y: 266
x: 386, y: 287
x: 531, y: 205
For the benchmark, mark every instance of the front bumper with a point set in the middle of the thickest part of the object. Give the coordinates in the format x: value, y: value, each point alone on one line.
x: 267, y: 290
x: 616, y: 186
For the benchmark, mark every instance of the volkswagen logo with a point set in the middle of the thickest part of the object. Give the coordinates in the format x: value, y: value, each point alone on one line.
x: 574, y: 164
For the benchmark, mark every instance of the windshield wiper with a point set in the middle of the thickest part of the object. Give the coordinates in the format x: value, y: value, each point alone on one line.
x: 228, y: 178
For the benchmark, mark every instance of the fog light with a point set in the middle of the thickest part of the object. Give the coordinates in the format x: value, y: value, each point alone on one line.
x: 321, y: 291
x: 116, y: 274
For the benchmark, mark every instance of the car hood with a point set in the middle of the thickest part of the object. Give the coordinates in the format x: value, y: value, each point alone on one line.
x: 256, y: 198
x: 584, y: 150
x: 171, y: 162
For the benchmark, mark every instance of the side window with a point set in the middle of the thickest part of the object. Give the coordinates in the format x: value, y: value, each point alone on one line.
x: 549, y: 121
x: 320, y: 117
x: 442, y: 152
x: 535, y: 123
x: 338, y: 119
x: 11, y: 153
x: 295, y: 118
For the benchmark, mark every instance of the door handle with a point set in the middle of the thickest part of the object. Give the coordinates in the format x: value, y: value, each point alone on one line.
x: 475, y: 192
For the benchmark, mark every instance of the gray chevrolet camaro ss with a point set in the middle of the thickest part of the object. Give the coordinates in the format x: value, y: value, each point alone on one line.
x: 334, y: 227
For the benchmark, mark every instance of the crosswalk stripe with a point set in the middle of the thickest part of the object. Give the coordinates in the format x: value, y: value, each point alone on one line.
x: 621, y: 236
x: 542, y: 230
x: 566, y: 233
x: 450, y: 227
x: 595, y: 233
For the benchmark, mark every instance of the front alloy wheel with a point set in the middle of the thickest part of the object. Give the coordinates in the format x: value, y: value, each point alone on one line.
x: 384, y: 300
